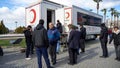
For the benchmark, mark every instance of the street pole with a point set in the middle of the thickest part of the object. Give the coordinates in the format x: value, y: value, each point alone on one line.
x: 16, y: 23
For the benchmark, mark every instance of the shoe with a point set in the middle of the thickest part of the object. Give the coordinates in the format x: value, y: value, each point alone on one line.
x: 32, y: 53
x: 78, y: 53
x: 50, y: 67
x: 116, y: 58
x: 82, y: 52
x: 103, y: 56
x: 70, y: 63
x: 75, y: 63
x: 54, y: 63
x: 57, y: 52
x: 28, y: 58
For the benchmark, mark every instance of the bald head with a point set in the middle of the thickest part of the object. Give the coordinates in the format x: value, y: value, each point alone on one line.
x: 51, y: 25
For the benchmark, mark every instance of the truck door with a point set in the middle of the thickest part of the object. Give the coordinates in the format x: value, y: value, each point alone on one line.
x: 50, y: 17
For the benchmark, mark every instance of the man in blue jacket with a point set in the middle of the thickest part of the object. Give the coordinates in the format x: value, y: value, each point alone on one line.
x: 53, y: 36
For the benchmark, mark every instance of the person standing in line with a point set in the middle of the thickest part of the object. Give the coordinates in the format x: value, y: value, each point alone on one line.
x: 54, y: 36
x: 103, y: 39
x: 82, y: 38
x: 73, y: 45
x: 59, y: 27
x: 28, y: 39
x: 116, y: 38
x: 70, y: 29
x: 110, y: 33
x: 40, y: 41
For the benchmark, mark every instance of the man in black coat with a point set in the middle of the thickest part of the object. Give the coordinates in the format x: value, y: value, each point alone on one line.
x: 28, y: 39
x: 74, y: 44
x: 59, y: 26
x: 103, y: 39
x: 82, y: 38
x: 40, y: 41
x: 116, y: 38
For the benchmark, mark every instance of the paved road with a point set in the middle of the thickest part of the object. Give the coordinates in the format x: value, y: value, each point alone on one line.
x: 90, y: 59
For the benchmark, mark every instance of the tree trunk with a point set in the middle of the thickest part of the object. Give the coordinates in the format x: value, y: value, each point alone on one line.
x: 97, y: 8
x: 105, y: 18
x: 117, y: 22
x: 111, y: 21
x: 114, y: 21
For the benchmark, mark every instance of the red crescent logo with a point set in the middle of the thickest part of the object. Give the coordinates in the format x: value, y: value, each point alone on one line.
x: 34, y: 18
x: 68, y: 15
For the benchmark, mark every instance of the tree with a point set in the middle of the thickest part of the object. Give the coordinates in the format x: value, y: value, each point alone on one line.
x: 3, y: 29
x: 97, y: 1
x: 19, y: 29
x: 104, y: 12
x: 116, y: 16
x: 112, y: 12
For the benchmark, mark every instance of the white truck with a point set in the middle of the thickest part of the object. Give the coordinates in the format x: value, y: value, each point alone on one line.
x: 51, y: 12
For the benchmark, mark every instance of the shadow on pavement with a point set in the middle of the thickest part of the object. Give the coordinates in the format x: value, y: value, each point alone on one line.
x: 11, y: 56
x: 13, y: 66
x: 89, y: 54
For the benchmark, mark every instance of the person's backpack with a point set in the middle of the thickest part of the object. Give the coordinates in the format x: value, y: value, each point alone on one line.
x: 1, y: 52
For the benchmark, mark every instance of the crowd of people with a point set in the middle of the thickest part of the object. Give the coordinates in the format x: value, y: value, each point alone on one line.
x: 48, y: 41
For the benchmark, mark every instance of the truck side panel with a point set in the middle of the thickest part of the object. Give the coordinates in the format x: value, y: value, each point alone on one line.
x: 89, y: 29
x: 33, y: 15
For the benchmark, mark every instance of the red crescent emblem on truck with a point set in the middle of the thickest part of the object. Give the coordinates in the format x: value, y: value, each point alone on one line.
x: 68, y: 15
x: 34, y: 18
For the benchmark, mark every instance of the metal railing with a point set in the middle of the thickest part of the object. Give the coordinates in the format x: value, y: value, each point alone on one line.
x: 11, y: 36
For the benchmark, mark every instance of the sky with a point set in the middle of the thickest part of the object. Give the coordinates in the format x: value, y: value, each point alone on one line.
x: 12, y: 11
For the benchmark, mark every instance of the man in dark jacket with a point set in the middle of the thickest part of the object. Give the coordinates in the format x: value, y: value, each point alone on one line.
x: 54, y: 36
x: 103, y: 39
x: 82, y: 38
x: 59, y: 27
x: 28, y: 39
x: 116, y: 38
x: 40, y: 40
x: 74, y: 44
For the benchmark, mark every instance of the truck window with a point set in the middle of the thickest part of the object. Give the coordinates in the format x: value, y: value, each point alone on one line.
x: 88, y: 20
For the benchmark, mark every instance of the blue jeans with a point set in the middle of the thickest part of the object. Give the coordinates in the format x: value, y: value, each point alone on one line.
x: 58, y: 46
x: 42, y: 51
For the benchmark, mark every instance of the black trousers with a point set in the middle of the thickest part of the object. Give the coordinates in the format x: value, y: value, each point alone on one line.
x: 73, y: 55
x: 32, y: 48
x: 82, y: 45
x: 104, y: 48
x: 29, y: 49
x: 52, y: 52
x: 117, y: 51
